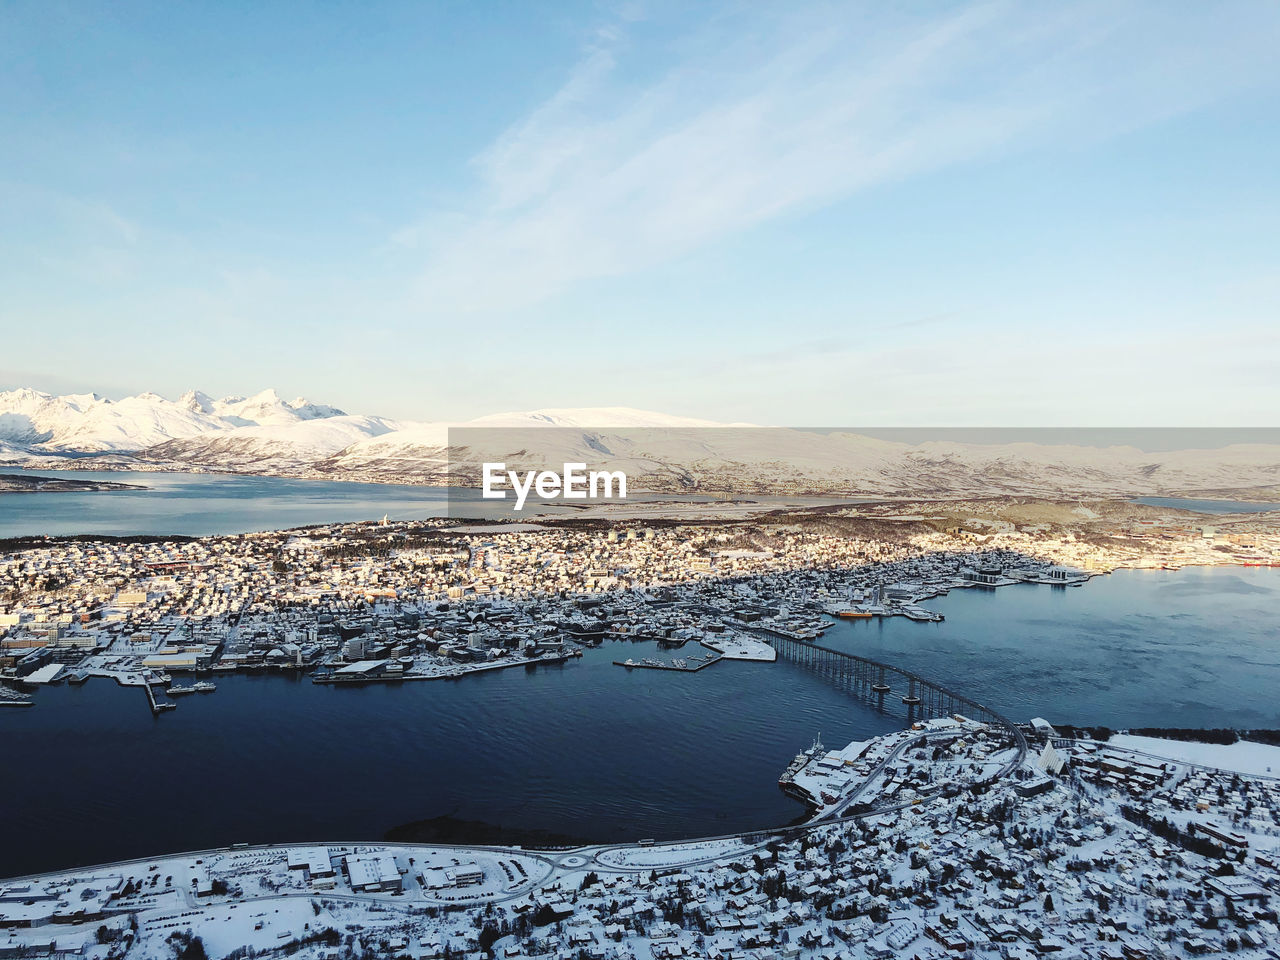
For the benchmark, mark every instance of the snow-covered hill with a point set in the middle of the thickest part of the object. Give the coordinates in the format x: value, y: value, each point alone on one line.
x: 271, y: 447
x: 265, y: 434
x: 670, y: 455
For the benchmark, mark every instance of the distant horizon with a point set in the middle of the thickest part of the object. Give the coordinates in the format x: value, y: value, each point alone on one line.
x: 1148, y: 439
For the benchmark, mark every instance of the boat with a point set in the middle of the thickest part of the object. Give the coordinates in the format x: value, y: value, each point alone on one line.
x: 204, y: 686
x: 921, y: 615
x: 802, y: 760
x: 179, y: 690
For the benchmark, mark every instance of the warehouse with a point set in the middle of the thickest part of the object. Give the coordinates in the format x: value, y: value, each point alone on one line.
x: 373, y: 873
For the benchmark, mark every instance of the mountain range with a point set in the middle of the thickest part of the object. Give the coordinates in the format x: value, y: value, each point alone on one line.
x: 267, y: 435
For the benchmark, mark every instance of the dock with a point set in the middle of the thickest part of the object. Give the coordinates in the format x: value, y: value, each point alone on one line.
x: 157, y: 706
x: 658, y: 665
x: 452, y: 674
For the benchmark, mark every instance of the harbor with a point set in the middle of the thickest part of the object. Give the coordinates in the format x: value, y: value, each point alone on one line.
x: 741, y: 723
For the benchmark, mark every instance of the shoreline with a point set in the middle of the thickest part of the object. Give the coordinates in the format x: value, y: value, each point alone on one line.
x: 844, y: 496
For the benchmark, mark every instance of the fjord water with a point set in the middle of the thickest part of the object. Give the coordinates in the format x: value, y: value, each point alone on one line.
x: 1197, y: 647
x: 593, y: 751
x: 584, y: 750
x: 207, y: 504
x: 213, y: 504
x: 1210, y: 506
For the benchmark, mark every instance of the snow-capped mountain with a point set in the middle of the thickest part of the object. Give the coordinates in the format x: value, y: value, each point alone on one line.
x: 265, y: 434
x: 262, y: 408
x: 37, y: 422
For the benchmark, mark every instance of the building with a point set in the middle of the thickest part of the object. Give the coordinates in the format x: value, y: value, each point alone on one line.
x: 314, y: 863
x: 1235, y: 888
x: 1050, y: 761
x: 465, y: 874
x: 361, y: 669
x: 373, y: 873
x: 1033, y: 785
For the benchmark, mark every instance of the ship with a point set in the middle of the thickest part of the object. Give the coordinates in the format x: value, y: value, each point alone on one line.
x: 853, y: 614
x: 204, y: 686
x: 179, y: 690
x: 802, y: 760
x: 922, y: 615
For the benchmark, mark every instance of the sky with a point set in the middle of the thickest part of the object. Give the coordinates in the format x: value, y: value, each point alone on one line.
x: 853, y: 213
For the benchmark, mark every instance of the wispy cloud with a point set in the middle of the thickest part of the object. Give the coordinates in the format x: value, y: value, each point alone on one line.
x: 762, y: 116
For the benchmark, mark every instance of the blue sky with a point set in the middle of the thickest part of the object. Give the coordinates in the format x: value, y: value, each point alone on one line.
x: 947, y: 214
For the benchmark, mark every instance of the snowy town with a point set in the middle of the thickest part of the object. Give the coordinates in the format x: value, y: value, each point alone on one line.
x: 404, y: 601
x: 967, y: 840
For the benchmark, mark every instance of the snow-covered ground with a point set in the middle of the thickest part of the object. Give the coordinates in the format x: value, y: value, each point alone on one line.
x: 1032, y: 866
x: 673, y: 854
x: 1258, y: 759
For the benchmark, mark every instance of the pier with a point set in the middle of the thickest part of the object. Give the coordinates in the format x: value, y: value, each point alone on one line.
x: 12, y: 698
x: 656, y: 665
x: 452, y: 674
x: 157, y: 706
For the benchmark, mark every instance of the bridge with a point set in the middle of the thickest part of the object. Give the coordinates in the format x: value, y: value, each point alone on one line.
x: 891, y: 689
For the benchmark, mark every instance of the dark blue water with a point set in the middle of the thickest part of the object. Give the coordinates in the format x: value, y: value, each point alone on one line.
x: 586, y: 750
x: 593, y: 751
x: 208, y: 504
x: 1197, y: 647
x: 195, y: 504
x: 1209, y: 506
